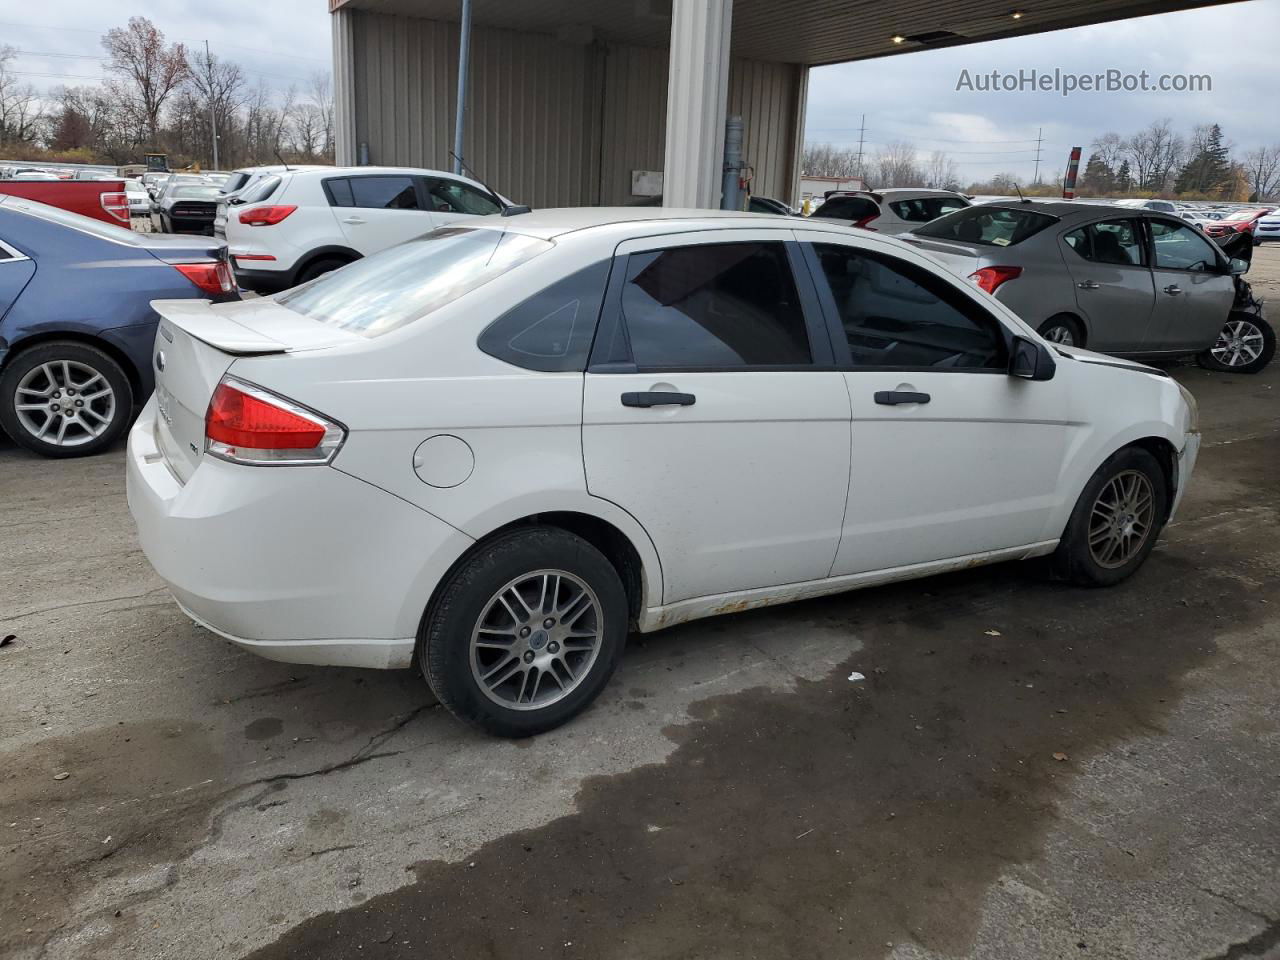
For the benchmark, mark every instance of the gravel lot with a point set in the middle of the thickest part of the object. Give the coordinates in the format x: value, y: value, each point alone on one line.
x: 732, y: 794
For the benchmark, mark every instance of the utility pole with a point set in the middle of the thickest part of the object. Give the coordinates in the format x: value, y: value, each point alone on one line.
x: 464, y: 55
x: 1039, y: 140
x: 213, y: 118
x: 862, y: 132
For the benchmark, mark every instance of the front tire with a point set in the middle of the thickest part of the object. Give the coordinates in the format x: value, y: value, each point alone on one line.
x: 64, y: 399
x: 1245, y: 344
x: 1116, y: 521
x: 319, y: 268
x: 525, y: 633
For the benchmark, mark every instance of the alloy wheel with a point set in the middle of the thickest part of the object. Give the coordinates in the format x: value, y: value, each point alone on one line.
x: 1239, y: 344
x: 536, y: 640
x: 65, y: 403
x: 1122, y: 519
x: 1059, y: 333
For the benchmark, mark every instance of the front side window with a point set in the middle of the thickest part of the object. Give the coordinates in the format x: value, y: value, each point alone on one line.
x: 896, y: 314
x: 397, y: 286
x: 450, y: 196
x: 721, y: 306
x: 552, y: 330
x: 384, y: 193
x: 1111, y: 241
x: 1179, y: 247
x: 988, y: 225
x: 924, y: 209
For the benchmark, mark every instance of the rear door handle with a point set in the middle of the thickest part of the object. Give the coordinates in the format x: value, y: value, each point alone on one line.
x: 890, y: 398
x: 658, y: 398
x: 1089, y: 285
x: 353, y: 220
x: 1173, y: 289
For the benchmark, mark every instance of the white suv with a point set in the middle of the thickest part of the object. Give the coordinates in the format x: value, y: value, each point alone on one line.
x: 295, y: 224
x: 889, y: 211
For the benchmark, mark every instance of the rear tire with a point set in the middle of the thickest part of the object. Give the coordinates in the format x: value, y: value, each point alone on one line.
x: 319, y: 268
x: 1242, y: 334
x: 525, y: 633
x: 1116, y: 521
x: 1064, y: 330
x: 42, y: 384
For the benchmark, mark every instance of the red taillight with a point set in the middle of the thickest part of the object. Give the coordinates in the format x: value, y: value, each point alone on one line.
x: 265, y: 216
x: 865, y: 222
x: 212, y: 278
x: 116, y: 204
x: 245, y: 424
x: 990, y: 278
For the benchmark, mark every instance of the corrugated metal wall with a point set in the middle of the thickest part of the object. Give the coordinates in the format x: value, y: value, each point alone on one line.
x: 549, y: 123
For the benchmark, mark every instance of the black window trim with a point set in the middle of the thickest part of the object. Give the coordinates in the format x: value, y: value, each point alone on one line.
x: 419, y: 190
x: 1140, y: 226
x: 1158, y: 216
x: 835, y: 324
x: 611, y: 331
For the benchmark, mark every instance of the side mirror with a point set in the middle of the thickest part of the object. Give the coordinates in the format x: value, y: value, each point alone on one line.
x: 1238, y: 266
x: 1031, y: 360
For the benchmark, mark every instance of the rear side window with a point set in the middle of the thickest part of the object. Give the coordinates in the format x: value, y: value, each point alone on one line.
x: 847, y: 208
x: 451, y: 196
x: 716, y: 305
x: 384, y: 193
x: 397, y: 286
x: 553, y: 329
x: 924, y: 209
x: 896, y: 314
x: 1111, y: 241
x: 987, y: 225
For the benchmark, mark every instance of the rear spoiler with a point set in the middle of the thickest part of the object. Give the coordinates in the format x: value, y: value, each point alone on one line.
x: 250, y: 328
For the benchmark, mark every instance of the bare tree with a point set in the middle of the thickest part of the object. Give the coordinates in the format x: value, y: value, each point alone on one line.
x: 1109, y: 149
x: 896, y: 165
x: 1155, y: 152
x: 218, y: 91
x: 145, y: 71
x: 827, y: 160
x: 941, y: 172
x: 1262, y: 168
x: 19, y: 105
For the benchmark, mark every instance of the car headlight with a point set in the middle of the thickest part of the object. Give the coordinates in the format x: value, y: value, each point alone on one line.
x: 1193, y: 409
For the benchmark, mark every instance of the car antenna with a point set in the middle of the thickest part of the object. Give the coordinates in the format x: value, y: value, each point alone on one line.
x: 508, y: 209
x: 1019, y: 189
x: 281, y: 159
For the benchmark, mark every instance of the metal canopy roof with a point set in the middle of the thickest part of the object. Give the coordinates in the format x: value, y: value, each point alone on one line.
x: 811, y: 32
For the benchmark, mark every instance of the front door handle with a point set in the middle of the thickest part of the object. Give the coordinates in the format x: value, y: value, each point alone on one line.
x: 891, y: 398
x: 658, y: 398
x: 1089, y: 285
x: 353, y: 220
x: 1173, y: 289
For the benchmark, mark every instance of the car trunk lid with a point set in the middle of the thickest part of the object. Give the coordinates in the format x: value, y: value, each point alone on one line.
x: 960, y: 258
x: 196, y: 343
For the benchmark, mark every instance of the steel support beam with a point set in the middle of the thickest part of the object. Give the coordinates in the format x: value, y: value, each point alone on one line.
x: 697, y: 96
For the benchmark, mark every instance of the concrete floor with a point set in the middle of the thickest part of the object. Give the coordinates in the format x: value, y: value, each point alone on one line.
x: 731, y: 795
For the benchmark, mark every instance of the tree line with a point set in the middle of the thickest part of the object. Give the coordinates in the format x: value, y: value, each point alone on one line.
x: 1154, y: 161
x: 162, y: 97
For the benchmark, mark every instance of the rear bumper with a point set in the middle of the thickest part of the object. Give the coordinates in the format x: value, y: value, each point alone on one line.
x: 302, y: 564
x: 263, y: 281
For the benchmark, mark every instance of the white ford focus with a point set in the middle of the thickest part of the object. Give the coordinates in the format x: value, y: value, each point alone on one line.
x: 495, y: 449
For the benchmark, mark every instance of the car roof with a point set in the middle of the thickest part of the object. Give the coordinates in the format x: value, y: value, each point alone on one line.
x: 554, y: 222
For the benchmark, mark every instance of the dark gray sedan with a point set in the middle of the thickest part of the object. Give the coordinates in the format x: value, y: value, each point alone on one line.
x: 1130, y: 282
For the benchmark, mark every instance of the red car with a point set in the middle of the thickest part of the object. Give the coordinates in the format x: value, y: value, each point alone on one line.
x: 1242, y: 221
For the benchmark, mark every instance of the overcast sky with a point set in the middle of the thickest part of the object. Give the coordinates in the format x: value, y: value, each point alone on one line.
x: 910, y: 97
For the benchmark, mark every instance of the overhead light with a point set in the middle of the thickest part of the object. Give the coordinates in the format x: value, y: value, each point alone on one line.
x: 898, y: 38
x: 1018, y: 14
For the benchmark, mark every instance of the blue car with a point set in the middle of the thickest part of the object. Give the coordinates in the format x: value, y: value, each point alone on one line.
x: 76, y: 324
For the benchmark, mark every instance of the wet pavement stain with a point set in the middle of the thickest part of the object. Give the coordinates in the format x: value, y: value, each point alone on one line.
x: 264, y: 728
x: 835, y: 818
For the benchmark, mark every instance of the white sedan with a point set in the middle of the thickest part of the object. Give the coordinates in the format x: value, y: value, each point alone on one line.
x: 494, y: 450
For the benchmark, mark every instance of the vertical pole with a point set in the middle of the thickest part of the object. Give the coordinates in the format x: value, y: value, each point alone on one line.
x: 862, y: 132
x: 697, y: 100
x: 1039, y: 140
x: 1073, y: 168
x: 464, y: 54
x: 213, y: 119
x: 731, y: 191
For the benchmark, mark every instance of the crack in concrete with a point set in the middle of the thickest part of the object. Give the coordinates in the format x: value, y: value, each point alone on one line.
x: 90, y: 603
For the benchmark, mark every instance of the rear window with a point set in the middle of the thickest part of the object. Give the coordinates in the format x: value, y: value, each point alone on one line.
x: 405, y: 283
x: 235, y: 182
x: 924, y: 209
x: 257, y: 192
x: 987, y: 225
x: 847, y: 208
x: 194, y: 193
